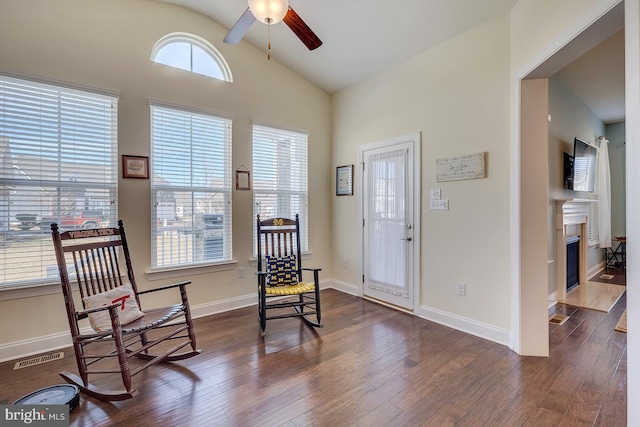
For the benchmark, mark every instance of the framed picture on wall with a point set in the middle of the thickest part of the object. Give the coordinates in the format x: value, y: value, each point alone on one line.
x: 243, y: 180
x: 344, y: 180
x: 135, y: 167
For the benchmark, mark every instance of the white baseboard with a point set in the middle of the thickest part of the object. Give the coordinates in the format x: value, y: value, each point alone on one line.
x: 347, y: 288
x: 215, y: 307
x: 596, y: 268
x: 43, y: 344
x: 552, y: 299
x: 473, y: 327
x: 491, y: 333
x: 56, y: 341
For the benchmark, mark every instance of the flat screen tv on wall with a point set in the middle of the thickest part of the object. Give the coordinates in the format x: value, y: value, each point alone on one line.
x: 580, y: 169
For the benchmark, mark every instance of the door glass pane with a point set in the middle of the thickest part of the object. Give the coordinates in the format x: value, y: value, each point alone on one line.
x: 386, y: 212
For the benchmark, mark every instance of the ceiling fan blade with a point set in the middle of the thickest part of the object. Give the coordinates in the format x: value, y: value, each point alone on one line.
x: 240, y: 28
x: 302, y: 30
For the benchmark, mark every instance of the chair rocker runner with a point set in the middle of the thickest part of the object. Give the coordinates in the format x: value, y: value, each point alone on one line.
x: 279, y: 245
x: 121, y: 331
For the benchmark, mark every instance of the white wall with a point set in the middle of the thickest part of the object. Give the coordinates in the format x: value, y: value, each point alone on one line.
x: 570, y: 118
x: 106, y: 44
x: 457, y: 95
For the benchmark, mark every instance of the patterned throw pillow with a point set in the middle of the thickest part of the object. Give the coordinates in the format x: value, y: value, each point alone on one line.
x: 281, y: 271
x: 128, y: 311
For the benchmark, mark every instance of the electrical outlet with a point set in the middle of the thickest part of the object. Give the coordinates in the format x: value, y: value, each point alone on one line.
x: 435, y: 194
x: 439, y: 205
x: 462, y: 289
x: 345, y: 263
x: 240, y: 272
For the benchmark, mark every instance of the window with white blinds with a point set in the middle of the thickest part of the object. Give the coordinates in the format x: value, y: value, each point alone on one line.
x: 58, y: 164
x: 280, y: 177
x: 191, y: 188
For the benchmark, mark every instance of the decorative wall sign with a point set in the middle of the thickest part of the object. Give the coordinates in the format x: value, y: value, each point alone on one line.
x: 135, y: 167
x: 468, y: 166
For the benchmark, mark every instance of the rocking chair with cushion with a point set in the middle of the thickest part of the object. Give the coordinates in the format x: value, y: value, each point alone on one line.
x: 280, y: 284
x: 119, y: 328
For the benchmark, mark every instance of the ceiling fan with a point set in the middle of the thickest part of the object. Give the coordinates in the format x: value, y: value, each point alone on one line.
x: 271, y: 12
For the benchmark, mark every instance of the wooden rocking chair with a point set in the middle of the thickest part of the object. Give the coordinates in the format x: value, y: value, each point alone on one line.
x: 93, y: 258
x: 279, y: 245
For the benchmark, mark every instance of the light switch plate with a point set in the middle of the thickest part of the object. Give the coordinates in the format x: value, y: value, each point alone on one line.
x: 435, y: 194
x: 440, y: 205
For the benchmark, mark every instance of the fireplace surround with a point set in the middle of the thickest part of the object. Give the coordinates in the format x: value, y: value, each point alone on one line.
x: 572, y: 216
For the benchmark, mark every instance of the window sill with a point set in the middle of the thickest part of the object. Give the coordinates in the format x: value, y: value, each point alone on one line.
x: 180, y: 272
x: 41, y: 289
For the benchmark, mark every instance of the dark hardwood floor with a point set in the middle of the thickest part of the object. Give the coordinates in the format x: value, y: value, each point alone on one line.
x: 369, y: 366
x: 611, y: 275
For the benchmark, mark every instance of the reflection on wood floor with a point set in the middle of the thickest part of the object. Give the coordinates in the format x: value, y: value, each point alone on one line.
x: 369, y: 366
x: 600, y: 293
x: 595, y: 296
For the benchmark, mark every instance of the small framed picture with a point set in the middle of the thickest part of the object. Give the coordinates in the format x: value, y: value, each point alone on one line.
x: 344, y: 180
x: 135, y: 167
x: 243, y: 180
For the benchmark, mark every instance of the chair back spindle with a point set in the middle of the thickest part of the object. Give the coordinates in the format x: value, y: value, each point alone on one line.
x: 93, y: 260
x: 277, y: 237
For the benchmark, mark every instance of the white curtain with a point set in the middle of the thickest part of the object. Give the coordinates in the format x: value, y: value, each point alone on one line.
x: 604, y: 178
x: 386, y: 213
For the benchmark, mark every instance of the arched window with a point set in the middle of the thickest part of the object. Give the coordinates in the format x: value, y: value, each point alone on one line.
x: 191, y: 53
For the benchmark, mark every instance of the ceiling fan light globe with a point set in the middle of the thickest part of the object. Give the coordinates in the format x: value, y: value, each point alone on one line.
x: 269, y: 11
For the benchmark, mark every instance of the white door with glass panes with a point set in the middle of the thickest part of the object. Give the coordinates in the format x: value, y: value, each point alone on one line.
x: 390, y: 214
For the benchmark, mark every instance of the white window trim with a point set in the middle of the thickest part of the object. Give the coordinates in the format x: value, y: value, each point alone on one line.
x: 201, y: 43
x: 179, y: 272
x: 37, y: 290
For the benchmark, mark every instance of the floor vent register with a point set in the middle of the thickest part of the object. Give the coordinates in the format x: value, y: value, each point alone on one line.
x: 38, y: 360
x: 558, y: 319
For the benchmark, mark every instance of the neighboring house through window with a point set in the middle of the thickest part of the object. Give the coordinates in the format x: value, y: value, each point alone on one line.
x: 280, y: 168
x: 191, y: 187
x: 191, y: 53
x: 58, y: 163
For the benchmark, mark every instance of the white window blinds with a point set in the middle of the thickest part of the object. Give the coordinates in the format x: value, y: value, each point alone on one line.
x: 58, y: 163
x: 280, y: 177
x: 191, y: 188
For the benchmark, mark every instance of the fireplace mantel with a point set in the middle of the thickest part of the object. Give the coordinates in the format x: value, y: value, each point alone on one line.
x: 571, y: 212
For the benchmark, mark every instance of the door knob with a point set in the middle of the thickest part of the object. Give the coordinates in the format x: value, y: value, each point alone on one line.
x: 408, y: 238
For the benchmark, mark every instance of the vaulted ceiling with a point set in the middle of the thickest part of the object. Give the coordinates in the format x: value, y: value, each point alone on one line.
x: 363, y: 37
x: 360, y: 37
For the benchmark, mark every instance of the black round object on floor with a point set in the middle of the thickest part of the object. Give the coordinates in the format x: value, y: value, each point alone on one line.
x: 62, y: 394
